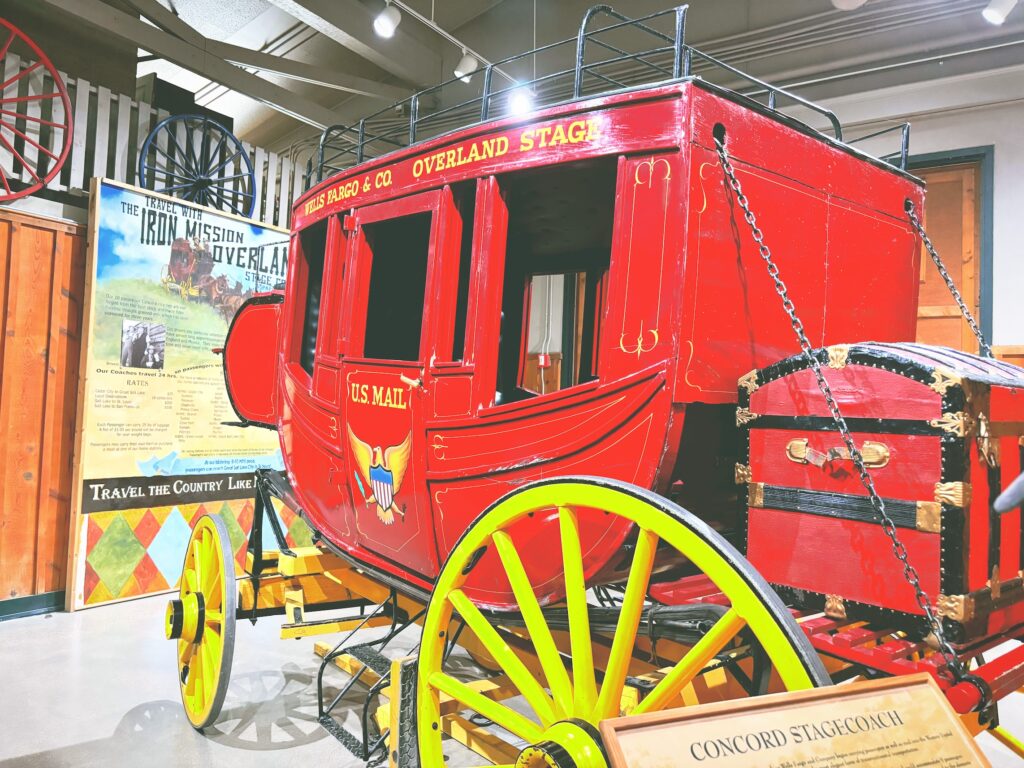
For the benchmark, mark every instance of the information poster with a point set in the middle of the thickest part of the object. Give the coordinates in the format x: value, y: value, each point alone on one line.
x: 165, y: 279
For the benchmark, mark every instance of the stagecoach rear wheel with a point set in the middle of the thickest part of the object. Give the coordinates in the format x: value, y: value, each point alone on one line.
x: 557, y: 705
x: 202, y: 620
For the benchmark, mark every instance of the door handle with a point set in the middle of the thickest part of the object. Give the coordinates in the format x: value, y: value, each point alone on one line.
x: 413, y: 383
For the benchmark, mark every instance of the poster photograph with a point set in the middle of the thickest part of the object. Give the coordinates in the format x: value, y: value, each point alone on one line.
x: 156, y: 449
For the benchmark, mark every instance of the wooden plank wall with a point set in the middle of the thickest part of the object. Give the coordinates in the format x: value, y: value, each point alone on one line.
x: 42, y: 280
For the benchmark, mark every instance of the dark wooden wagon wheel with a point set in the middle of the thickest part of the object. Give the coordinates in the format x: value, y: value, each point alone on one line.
x: 35, y: 120
x: 196, y: 158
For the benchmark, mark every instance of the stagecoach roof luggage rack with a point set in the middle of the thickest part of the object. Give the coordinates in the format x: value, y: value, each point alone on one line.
x: 624, y: 54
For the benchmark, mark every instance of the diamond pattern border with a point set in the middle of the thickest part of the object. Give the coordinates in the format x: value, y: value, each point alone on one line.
x: 139, y: 552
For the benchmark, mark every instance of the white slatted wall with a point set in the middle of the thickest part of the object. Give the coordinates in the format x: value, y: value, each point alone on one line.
x: 110, y: 128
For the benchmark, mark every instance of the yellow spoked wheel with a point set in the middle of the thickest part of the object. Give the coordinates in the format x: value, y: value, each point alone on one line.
x: 202, y: 620
x: 563, y: 669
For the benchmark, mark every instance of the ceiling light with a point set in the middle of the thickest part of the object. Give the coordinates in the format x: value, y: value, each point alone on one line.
x: 466, y: 67
x: 387, y: 21
x: 848, y: 5
x: 998, y: 10
x: 520, y: 101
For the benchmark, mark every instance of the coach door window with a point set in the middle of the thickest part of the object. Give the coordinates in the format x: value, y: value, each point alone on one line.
x: 398, y: 281
x: 557, y: 256
x: 309, y: 277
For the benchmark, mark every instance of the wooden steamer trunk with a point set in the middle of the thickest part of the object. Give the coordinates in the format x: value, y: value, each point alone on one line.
x: 941, y: 433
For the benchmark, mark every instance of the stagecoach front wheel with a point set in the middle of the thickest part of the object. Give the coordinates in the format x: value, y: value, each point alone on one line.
x: 565, y: 667
x: 202, y: 620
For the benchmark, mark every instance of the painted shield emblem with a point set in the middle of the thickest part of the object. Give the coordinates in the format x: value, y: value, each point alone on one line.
x: 382, y: 482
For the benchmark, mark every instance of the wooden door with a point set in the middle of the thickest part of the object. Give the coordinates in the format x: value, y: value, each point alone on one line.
x: 953, y: 222
x: 42, y: 281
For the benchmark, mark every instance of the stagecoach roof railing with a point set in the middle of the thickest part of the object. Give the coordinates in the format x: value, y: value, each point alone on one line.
x: 668, y: 58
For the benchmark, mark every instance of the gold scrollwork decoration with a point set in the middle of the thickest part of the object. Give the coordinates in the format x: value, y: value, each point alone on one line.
x: 838, y: 354
x: 650, y: 165
x: 744, y: 416
x: 956, y: 607
x: 749, y: 382
x: 954, y: 494
x: 957, y: 423
x: 638, y: 347
x: 835, y: 607
x: 439, y: 446
x: 743, y: 474
x: 943, y: 379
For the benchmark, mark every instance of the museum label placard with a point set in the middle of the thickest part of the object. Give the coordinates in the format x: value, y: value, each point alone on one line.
x: 904, y: 722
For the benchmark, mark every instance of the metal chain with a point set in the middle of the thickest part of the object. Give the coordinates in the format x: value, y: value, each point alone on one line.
x: 953, y: 663
x: 983, y: 346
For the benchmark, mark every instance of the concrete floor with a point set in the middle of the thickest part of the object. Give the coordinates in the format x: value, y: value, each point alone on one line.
x: 97, y: 688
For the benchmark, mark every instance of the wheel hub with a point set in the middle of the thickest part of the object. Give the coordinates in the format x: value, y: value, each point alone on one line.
x: 566, y: 744
x: 185, y: 618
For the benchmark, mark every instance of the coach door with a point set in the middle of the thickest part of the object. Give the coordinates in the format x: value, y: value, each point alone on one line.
x: 386, y: 343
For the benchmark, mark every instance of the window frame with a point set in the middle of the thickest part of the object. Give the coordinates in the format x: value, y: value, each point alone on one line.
x: 436, y: 334
x: 296, y: 297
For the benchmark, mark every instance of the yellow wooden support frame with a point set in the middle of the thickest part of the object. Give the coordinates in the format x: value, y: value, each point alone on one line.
x: 316, y: 628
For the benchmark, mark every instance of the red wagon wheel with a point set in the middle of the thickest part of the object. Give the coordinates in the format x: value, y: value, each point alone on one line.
x: 35, y: 121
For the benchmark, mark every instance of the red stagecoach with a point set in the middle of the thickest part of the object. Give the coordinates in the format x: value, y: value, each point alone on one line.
x: 538, y: 389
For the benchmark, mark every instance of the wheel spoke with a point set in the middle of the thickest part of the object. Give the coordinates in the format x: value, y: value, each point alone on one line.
x: 175, y: 163
x: 3, y: 179
x: 197, y: 557
x: 213, y: 171
x: 7, y: 45
x: 30, y: 97
x: 185, y: 652
x: 209, y: 670
x: 164, y: 172
x: 543, y: 642
x: 191, y: 578
x: 21, y: 159
x: 502, y: 653
x: 19, y: 75
x: 584, y: 686
x: 33, y: 119
x: 225, y: 201
x: 507, y: 718
x: 626, y: 628
x: 212, y: 156
x: 29, y: 139
x: 688, y: 667
x: 177, y: 186
x: 183, y: 163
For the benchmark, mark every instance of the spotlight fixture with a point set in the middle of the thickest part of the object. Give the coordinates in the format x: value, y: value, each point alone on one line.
x: 387, y: 21
x: 467, y: 65
x: 848, y: 5
x: 997, y: 11
x: 520, y: 100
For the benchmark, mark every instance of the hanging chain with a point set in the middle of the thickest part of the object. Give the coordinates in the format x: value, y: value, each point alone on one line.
x: 953, y: 663
x: 983, y: 346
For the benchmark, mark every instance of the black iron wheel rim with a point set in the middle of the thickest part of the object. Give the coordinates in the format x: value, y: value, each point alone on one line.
x: 195, y: 158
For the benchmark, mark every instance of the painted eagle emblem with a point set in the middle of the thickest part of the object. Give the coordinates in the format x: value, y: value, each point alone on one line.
x: 384, y: 471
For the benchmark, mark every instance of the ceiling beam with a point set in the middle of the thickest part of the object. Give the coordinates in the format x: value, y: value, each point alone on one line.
x: 194, y: 58
x: 350, y: 23
x: 307, y: 73
x: 167, y: 20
